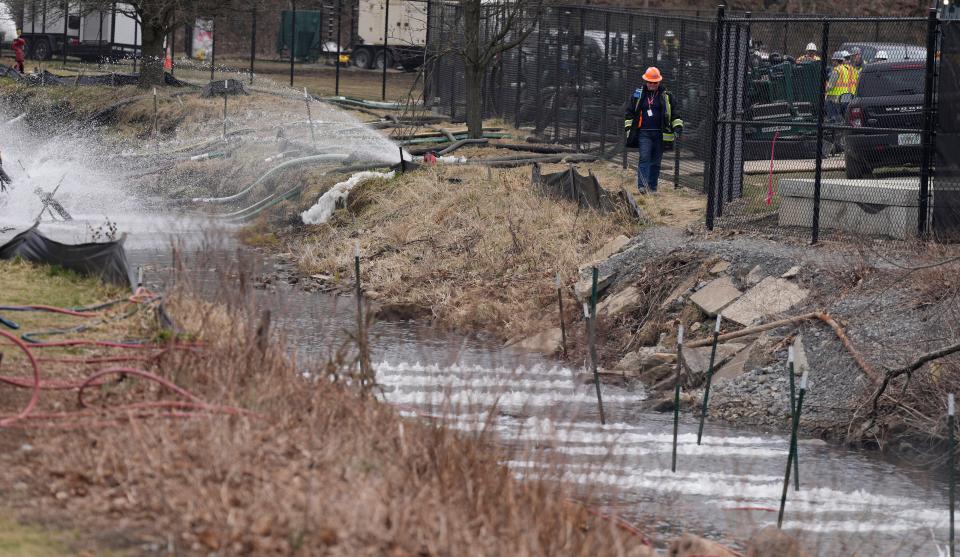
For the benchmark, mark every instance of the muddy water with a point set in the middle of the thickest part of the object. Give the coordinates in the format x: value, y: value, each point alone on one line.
x: 850, y: 503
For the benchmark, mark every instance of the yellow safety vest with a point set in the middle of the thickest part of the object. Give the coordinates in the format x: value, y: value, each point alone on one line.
x: 854, y: 79
x: 845, y: 81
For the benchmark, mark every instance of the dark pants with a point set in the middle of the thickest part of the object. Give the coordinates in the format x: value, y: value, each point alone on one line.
x: 19, y: 66
x: 650, y: 147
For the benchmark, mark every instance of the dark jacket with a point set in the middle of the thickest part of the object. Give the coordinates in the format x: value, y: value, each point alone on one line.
x: 633, y: 111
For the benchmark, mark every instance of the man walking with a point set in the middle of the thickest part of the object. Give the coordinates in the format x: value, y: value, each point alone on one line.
x: 650, y: 118
x: 18, y: 45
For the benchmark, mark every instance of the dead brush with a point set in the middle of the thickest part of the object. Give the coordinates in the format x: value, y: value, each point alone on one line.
x: 482, y: 254
x: 318, y: 470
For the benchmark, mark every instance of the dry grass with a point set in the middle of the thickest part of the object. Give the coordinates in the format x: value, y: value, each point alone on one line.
x: 481, y: 254
x: 321, y: 470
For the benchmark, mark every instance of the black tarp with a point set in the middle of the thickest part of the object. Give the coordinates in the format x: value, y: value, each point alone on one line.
x: 219, y: 87
x: 106, y: 260
x: 113, y: 79
x: 571, y: 185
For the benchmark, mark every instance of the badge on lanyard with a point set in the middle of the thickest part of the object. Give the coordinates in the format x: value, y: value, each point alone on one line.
x: 650, y: 106
x: 650, y: 112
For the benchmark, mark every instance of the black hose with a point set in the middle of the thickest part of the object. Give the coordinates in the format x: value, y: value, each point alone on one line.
x: 462, y: 143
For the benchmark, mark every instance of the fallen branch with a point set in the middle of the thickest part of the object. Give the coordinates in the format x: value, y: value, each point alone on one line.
x: 825, y: 317
x: 910, y: 368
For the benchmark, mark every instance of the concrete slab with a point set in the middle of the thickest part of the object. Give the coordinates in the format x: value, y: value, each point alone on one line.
x: 621, y: 302
x: 715, y: 296
x: 583, y: 287
x: 720, y: 268
x: 610, y: 248
x: 869, y: 207
x: 771, y: 296
x: 697, y: 360
x: 547, y: 342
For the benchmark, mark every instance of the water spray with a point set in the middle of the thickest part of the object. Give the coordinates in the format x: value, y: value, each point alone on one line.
x: 793, y: 447
x: 592, y: 333
x: 706, y: 390
x: 563, y: 327
x: 791, y: 363
x: 676, y: 397
x: 952, y: 446
x: 313, y: 134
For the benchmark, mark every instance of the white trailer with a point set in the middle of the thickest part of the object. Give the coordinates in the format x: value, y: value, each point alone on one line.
x: 406, y: 33
x: 87, y: 34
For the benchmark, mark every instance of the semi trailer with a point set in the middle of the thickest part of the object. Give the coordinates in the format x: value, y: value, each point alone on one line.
x: 89, y: 34
x: 405, y: 23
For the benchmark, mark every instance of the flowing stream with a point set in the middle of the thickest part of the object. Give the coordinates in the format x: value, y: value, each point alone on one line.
x: 542, y: 411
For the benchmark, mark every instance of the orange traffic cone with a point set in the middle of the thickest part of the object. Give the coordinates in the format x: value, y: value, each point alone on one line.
x: 168, y: 61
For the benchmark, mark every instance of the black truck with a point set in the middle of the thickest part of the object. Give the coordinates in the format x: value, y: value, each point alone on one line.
x: 889, y: 95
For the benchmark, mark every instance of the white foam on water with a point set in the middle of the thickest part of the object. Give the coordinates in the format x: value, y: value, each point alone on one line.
x: 511, y: 399
x: 324, y: 208
x: 480, y: 383
x: 458, y: 369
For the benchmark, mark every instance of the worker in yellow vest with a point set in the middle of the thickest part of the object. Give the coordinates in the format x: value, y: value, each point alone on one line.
x: 839, y: 86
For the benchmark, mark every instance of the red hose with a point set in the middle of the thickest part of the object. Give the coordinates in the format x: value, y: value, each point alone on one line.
x: 53, y: 309
x: 139, y: 373
x: 35, y: 386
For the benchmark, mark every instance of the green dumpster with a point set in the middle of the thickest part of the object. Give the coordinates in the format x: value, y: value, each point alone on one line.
x: 308, y: 46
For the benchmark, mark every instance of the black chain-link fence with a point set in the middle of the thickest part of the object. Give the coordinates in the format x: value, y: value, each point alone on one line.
x: 827, y: 126
x: 568, y: 81
x: 945, y: 185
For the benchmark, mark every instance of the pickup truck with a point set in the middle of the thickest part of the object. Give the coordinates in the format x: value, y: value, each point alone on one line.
x: 889, y: 95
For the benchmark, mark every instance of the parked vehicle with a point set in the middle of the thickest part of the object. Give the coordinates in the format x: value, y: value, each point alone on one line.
x: 406, y: 39
x: 895, y: 51
x: 889, y: 95
x: 87, y: 34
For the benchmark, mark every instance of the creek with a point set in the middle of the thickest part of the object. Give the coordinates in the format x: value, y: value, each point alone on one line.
x: 542, y: 411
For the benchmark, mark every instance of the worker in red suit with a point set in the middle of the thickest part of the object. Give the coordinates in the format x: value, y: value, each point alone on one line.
x: 18, y: 45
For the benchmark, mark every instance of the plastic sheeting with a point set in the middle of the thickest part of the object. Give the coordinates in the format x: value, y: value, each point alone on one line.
x: 113, y: 79
x: 572, y: 185
x: 945, y: 185
x: 106, y: 260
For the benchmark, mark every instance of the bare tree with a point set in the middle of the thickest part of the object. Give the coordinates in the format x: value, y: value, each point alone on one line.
x: 506, y: 25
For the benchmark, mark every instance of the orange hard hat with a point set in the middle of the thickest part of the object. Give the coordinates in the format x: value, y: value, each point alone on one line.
x: 652, y: 75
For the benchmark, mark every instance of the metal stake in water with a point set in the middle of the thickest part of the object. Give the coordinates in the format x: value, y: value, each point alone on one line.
x: 226, y: 84
x: 952, y: 445
x: 791, y: 363
x: 676, y: 397
x: 592, y: 333
x: 793, y: 447
x: 313, y: 134
x: 563, y: 327
x: 706, y: 390
x: 140, y: 276
x: 156, y: 120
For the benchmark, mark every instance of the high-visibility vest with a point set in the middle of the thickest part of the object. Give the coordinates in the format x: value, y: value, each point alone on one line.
x: 854, y: 79
x: 845, y: 83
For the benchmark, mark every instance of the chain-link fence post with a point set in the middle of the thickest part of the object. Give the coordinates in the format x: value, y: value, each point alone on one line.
x: 928, y: 127
x: 558, y: 80
x: 822, y: 105
x: 680, y: 89
x: 604, y: 83
x: 734, y: 57
x: 708, y: 174
x: 386, y: 49
x: 580, y: 50
x: 336, y: 85
x: 626, y: 73
x: 253, y: 39
x: 538, y: 94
